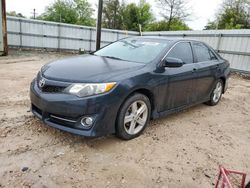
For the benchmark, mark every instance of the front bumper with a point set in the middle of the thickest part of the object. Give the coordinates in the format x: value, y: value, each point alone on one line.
x: 65, y: 111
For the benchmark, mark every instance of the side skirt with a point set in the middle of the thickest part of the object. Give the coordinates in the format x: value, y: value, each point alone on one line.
x: 156, y: 115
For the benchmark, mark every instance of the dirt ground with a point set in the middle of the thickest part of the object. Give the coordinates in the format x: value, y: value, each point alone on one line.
x: 181, y: 150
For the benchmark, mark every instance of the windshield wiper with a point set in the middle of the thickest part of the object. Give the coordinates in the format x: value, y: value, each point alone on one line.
x: 111, y: 57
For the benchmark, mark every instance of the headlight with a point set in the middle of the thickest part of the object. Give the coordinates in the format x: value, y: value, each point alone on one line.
x: 83, y: 90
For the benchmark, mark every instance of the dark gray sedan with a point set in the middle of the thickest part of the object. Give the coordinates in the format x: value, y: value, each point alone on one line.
x: 120, y: 87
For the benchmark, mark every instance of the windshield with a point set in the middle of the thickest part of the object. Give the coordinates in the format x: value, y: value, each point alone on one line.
x: 134, y: 49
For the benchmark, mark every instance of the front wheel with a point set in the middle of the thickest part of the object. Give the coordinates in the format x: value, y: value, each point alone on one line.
x: 133, y: 117
x: 216, y: 93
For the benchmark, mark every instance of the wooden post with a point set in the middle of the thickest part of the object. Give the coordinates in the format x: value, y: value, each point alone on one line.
x: 99, y: 25
x: 3, y: 35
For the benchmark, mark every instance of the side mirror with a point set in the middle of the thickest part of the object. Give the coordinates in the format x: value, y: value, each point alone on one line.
x: 172, y: 62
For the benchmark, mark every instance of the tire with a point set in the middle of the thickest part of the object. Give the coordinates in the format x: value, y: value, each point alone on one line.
x: 216, y: 93
x: 136, y: 112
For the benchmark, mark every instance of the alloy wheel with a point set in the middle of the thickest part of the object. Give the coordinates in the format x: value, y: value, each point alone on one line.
x: 217, y: 92
x: 135, y: 117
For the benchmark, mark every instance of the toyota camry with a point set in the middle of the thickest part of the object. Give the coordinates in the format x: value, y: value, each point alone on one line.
x: 119, y: 88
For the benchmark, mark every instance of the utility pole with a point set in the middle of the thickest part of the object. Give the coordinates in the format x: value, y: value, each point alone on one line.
x: 3, y: 29
x: 34, y: 13
x: 99, y: 25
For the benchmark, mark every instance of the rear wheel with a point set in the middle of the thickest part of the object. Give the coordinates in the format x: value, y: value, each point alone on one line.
x: 216, y: 93
x: 133, y: 117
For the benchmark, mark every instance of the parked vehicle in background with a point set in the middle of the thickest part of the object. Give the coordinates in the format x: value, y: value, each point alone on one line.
x: 120, y: 87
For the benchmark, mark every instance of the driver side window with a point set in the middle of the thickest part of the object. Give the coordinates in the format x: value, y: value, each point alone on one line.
x: 182, y: 51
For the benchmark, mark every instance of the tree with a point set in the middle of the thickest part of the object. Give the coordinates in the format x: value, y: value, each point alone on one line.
x: 211, y: 25
x: 164, y: 26
x: 112, y: 18
x: 173, y: 10
x: 133, y: 15
x: 234, y: 14
x: 13, y: 13
x: 145, y: 14
x: 84, y: 13
x: 69, y: 11
x: 130, y: 17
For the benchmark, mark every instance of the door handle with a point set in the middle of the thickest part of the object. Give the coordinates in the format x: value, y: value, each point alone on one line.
x: 194, y: 69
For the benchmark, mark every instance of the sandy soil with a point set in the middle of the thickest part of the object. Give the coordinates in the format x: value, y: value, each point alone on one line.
x: 181, y: 150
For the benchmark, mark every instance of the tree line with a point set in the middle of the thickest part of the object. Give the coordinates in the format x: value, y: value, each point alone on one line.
x: 233, y: 14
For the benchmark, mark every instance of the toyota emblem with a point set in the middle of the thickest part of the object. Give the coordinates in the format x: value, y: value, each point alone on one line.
x: 41, y: 83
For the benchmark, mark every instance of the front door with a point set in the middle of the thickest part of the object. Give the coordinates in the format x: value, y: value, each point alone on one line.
x: 178, y: 90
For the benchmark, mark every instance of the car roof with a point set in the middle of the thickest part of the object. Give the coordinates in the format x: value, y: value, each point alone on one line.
x: 172, y: 39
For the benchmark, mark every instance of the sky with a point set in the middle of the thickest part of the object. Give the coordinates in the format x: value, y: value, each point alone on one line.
x: 202, y: 10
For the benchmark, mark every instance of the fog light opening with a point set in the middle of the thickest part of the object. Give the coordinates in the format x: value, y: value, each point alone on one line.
x: 87, y: 122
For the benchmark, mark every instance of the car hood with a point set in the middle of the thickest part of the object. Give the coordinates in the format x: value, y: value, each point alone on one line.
x: 88, y: 68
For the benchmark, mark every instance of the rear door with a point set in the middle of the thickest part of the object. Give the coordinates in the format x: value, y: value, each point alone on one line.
x: 206, y: 67
x: 178, y: 89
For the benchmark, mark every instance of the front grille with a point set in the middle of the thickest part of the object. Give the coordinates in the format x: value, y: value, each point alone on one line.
x: 48, y: 87
x: 52, y: 89
x: 61, y: 120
